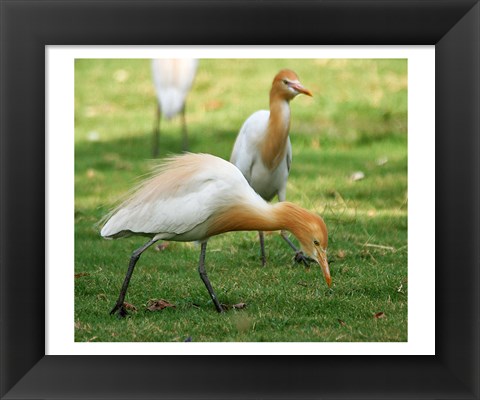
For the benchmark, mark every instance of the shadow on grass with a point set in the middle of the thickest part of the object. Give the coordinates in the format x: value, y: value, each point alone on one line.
x: 137, y: 147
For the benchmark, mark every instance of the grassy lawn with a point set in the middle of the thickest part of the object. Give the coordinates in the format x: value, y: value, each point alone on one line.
x: 356, y: 121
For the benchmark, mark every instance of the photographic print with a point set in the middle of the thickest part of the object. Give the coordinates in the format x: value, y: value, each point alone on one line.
x: 294, y: 170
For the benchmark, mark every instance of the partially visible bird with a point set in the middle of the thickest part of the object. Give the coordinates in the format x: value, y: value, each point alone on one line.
x: 173, y: 79
x: 193, y: 197
x: 262, y: 150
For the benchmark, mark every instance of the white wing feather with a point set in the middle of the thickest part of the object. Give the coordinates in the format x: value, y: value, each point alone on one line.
x: 245, y: 150
x: 173, y: 79
x: 247, y: 158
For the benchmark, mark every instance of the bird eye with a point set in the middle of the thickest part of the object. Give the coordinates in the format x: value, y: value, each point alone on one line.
x: 285, y: 81
x: 316, y: 243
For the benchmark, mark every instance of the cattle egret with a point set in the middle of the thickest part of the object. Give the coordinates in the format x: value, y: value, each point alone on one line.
x: 173, y: 79
x: 195, y: 196
x: 262, y: 150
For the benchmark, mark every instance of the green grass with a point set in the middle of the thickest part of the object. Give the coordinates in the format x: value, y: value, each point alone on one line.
x: 357, y: 117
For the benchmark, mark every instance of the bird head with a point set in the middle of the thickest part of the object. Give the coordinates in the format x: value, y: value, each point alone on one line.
x: 314, y: 241
x: 287, y: 84
x: 311, y: 232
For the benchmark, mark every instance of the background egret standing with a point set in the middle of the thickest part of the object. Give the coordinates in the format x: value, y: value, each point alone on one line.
x: 262, y: 150
x: 173, y: 79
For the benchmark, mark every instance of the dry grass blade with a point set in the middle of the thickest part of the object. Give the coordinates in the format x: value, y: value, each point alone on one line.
x: 379, y: 246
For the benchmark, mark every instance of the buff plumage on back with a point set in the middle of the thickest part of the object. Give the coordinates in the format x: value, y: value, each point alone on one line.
x: 183, y: 192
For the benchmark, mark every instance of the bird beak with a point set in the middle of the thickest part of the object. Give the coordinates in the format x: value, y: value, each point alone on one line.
x: 300, y: 89
x: 322, y: 260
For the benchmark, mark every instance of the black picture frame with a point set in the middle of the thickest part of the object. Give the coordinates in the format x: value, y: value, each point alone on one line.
x: 453, y: 26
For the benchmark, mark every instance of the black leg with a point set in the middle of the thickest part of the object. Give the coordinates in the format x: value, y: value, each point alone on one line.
x: 156, y: 130
x: 203, y: 275
x: 262, y: 247
x: 299, y: 256
x: 133, y: 260
x: 184, y: 130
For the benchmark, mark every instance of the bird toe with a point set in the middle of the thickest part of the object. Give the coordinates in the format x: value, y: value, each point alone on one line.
x: 301, y: 258
x: 119, y: 310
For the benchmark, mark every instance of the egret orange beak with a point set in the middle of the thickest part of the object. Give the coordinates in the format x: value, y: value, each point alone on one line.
x: 325, y: 269
x: 299, y: 88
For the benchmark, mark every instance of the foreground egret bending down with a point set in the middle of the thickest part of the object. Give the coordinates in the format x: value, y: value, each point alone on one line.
x: 173, y: 79
x: 262, y: 150
x: 195, y: 196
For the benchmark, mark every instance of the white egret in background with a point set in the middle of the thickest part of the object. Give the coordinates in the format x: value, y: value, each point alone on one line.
x: 262, y: 150
x: 173, y: 79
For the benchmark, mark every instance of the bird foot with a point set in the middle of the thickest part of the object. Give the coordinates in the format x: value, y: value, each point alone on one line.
x: 119, y: 310
x: 301, y: 258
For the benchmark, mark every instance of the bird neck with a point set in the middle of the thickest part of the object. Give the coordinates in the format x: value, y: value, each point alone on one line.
x: 248, y: 217
x: 293, y: 218
x: 275, y: 144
